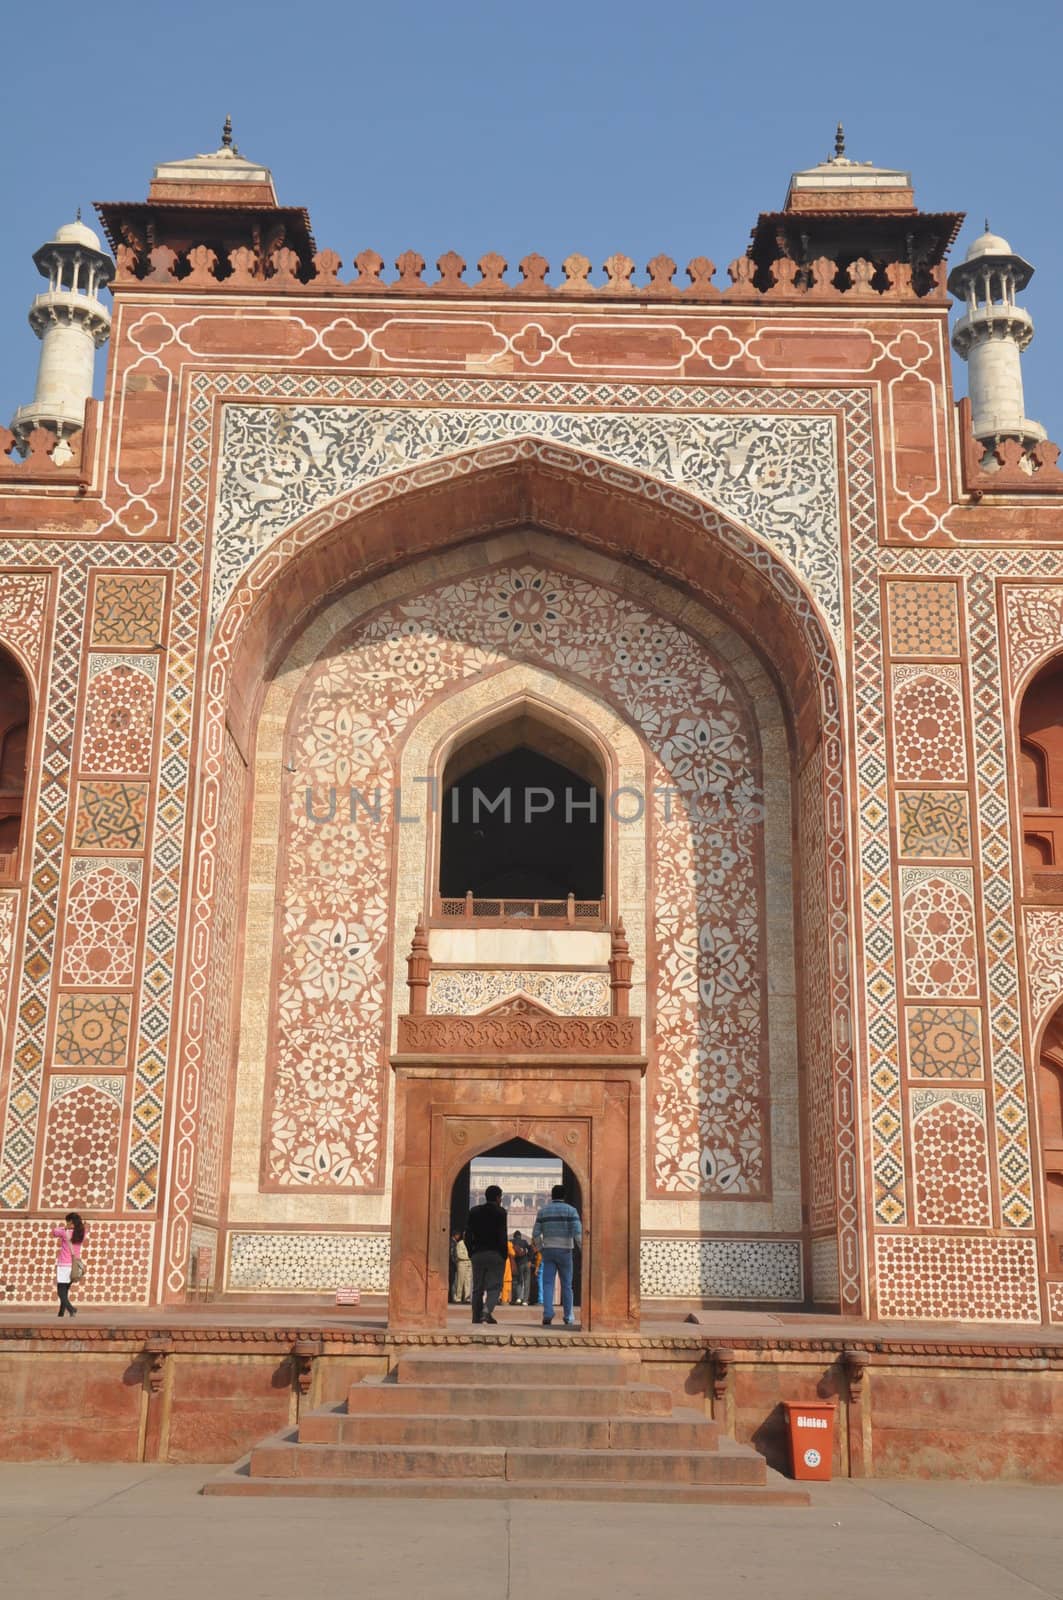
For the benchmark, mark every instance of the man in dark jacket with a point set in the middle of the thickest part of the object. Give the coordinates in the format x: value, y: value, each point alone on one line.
x: 487, y: 1237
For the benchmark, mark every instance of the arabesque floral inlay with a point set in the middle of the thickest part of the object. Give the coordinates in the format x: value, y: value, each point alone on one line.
x: 777, y: 474
x: 335, y: 890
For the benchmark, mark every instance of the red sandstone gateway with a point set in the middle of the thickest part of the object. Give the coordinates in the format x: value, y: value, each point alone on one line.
x: 616, y: 719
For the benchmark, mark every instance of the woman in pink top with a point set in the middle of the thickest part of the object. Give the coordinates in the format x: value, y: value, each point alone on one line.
x: 71, y: 1237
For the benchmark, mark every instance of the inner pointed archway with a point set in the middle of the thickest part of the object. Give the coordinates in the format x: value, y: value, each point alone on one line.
x: 522, y: 817
x: 526, y: 1173
x: 696, y: 549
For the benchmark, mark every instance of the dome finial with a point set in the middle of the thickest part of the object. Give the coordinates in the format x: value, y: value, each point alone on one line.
x: 987, y: 224
x: 79, y: 214
x: 227, y: 133
x: 839, y: 142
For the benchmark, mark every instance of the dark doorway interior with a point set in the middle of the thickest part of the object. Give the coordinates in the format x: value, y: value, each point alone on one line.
x: 522, y: 826
x: 518, y: 1150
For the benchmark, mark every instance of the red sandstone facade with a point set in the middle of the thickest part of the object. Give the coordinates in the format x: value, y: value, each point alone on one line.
x: 735, y: 538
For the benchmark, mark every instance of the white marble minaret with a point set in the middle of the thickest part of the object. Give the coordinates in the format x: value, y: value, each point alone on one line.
x: 71, y: 322
x: 991, y: 336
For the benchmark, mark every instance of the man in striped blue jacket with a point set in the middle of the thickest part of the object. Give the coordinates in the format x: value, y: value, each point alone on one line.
x: 557, y: 1233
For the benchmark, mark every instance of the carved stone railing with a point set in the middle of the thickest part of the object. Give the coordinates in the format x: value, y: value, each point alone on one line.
x: 1010, y: 468
x: 519, y: 1025
x: 284, y: 269
x: 502, y: 912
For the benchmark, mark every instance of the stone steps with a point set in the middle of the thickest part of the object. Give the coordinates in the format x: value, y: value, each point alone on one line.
x: 289, y: 1456
x: 514, y: 1365
x: 776, y: 1491
x: 685, y: 1430
x: 376, y: 1395
x: 508, y: 1424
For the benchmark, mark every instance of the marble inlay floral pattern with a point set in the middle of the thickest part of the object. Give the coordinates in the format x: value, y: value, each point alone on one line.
x: 570, y: 994
x: 706, y: 1102
x: 777, y: 474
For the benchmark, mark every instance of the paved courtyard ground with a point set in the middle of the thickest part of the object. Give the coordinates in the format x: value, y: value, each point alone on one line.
x: 112, y: 1532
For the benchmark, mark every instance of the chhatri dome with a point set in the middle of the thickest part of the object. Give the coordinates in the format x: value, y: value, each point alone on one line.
x: 991, y: 335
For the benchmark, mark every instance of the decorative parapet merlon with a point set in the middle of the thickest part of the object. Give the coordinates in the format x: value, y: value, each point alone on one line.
x: 49, y: 458
x: 1008, y: 467
x: 201, y: 267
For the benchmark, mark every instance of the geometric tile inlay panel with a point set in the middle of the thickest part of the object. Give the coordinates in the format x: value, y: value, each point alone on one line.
x: 92, y: 1030
x: 928, y: 725
x: 721, y: 1269
x: 826, y: 1287
x: 117, y: 1262
x: 923, y: 619
x: 937, y: 911
x: 951, y: 1160
x: 103, y: 901
x: 312, y: 1263
x: 944, y: 1042
x: 678, y: 1268
x: 127, y: 609
x: 110, y: 814
x: 82, y: 1143
x: 119, y: 714
x: 933, y: 823
x: 964, y: 1279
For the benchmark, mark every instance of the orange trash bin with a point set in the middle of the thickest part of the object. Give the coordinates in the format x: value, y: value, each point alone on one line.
x: 811, y: 1429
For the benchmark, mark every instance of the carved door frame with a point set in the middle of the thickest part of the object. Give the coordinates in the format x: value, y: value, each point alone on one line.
x: 587, y: 1113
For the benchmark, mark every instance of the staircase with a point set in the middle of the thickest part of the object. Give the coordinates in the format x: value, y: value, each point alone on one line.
x: 506, y: 1424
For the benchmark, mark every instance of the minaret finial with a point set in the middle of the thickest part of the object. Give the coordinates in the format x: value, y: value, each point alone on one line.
x: 839, y: 142
x: 227, y: 133
x: 987, y: 224
x: 79, y: 217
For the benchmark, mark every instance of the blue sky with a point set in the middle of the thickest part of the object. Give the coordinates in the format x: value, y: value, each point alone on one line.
x: 589, y: 126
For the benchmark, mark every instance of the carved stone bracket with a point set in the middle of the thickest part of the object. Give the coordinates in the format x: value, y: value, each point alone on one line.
x: 854, y: 1365
x: 302, y: 1361
x: 722, y: 1363
x: 153, y: 1362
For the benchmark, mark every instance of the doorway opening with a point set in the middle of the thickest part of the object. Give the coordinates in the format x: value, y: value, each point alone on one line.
x: 523, y: 816
x: 525, y: 1173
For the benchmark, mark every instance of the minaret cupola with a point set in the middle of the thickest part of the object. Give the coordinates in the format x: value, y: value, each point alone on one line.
x: 71, y: 322
x: 991, y: 335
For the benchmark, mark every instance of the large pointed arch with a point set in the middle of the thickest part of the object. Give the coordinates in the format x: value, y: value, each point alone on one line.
x: 632, y: 517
